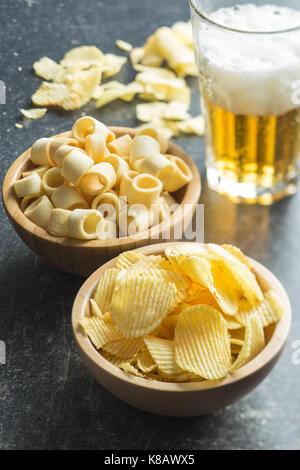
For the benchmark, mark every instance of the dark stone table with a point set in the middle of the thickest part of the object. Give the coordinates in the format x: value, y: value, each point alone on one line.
x: 48, y: 400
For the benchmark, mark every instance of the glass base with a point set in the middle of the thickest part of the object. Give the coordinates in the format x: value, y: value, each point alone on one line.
x: 250, y: 193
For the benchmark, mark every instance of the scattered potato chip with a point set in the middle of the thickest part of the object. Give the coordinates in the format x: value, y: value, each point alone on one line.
x: 34, y: 113
x: 105, y: 288
x: 124, y: 348
x: 98, y: 331
x: 165, y: 87
x: 253, y: 343
x: 113, y: 90
x: 82, y: 57
x: 124, y: 46
x: 174, y: 110
x: 50, y: 94
x: 202, y: 342
x: 47, y: 68
x: 112, y: 64
x: 184, y: 32
x: 195, y: 125
x: 140, y: 304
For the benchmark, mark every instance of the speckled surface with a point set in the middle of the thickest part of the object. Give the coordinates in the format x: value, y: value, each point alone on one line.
x: 47, y: 398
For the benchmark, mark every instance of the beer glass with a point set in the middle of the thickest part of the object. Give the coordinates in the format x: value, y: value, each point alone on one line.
x: 248, y: 56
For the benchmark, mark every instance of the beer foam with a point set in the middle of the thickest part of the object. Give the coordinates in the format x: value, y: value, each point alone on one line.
x: 251, y: 74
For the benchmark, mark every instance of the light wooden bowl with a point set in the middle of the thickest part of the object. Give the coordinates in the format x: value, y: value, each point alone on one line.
x: 83, y: 257
x: 181, y: 399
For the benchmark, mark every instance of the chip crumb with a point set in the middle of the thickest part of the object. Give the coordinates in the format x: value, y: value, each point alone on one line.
x: 123, y: 45
x: 34, y: 113
x: 18, y: 125
x: 20, y: 69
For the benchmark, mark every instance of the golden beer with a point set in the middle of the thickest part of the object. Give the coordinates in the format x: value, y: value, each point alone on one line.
x: 258, y: 150
x: 248, y: 57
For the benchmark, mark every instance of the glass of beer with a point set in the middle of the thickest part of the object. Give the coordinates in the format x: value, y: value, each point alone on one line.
x: 248, y: 56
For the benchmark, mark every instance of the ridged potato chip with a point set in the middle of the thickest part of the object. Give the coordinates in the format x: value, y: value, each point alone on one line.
x: 112, y: 64
x: 162, y: 352
x: 200, y: 270
x: 116, y: 361
x: 166, y: 329
x: 174, y: 110
x: 98, y: 331
x: 238, y: 254
x: 82, y: 57
x: 243, y: 276
x: 124, y: 348
x: 47, y: 68
x: 139, y: 304
x: 270, y: 310
x: 95, y: 309
x: 126, y: 259
x: 145, y: 362
x: 202, y: 342
x: 105, y: 288
x: 254, y: 342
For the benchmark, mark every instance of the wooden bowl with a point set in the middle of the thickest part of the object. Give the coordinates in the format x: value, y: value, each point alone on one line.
x: 181, y: 399
x: 83, y: 257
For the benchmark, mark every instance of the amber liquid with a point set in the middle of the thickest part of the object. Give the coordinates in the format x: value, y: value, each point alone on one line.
x: 258, y: 150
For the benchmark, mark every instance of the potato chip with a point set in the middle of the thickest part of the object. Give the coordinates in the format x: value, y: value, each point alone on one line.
x: 202, y: 342
x: 147, y: 262
x: 145, y: 362
x: 270, y: 310
x: 98, y: 331
x: 242, y: 275
x: 184, y: 32
x: 124, y: 348
x: 136, y: 55
x: 174, y: 110
x: 159, y: 125
x: 127, y: 259
x: 175, y: 251
x: 104, y: 289
x: 116, y: 361
x: 124, y: 45
x: 131, y: 369
x: 239, y: 255
x: 113, y: 90
x: 50, y: 94
x: 139, y: 304
x: 195, y: 125
x: 82, y: 57
x: 47, y: 68
x: 162, y: 352
x: 253, y: 343
x: 95, y: 309
x: 34, y: 113
x: 112, y: 64
x: 160, y: 87
x: 201, y: 271
x: 166, y: 329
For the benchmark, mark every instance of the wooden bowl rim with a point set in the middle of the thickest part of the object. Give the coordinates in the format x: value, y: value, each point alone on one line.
x: 273, y: 347
x: 189, y: 201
